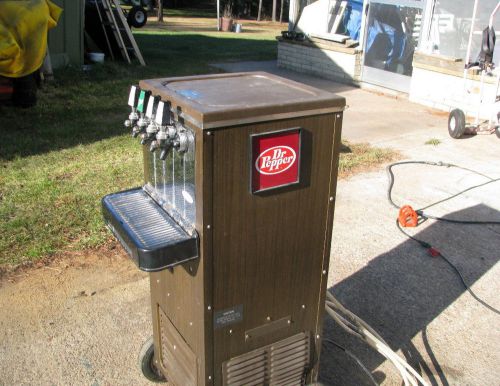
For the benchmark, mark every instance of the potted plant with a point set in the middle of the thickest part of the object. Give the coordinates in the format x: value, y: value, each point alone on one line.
x: 227, y: 18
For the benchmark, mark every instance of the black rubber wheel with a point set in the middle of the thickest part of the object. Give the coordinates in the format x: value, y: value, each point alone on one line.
x: 456, y: 123
x: 137, y: 17
x: 24, y: 91
x: 147, y: 364
x: 497, y: 132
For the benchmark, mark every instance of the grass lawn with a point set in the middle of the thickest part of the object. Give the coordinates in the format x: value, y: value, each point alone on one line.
x: 58, y: 159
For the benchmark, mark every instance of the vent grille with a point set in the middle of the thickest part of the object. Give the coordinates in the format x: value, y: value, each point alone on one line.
x: 176, y: 356
x: 283, y: 363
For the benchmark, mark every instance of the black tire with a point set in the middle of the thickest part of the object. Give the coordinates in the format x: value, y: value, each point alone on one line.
x: 456, y: 123
x: 137, y: 17
x: 24, y: 91
x: 147, y: 364
x: 497, y: 132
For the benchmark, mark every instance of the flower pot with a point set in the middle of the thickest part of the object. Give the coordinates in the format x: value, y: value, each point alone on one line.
x: 226, y: 24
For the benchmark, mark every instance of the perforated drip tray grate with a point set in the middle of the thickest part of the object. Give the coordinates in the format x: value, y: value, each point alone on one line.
x: 149, y: 235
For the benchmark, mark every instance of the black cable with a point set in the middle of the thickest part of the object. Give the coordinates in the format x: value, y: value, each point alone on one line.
x: 420, y: 211
x: 438, y: 253
x: 355, y: 358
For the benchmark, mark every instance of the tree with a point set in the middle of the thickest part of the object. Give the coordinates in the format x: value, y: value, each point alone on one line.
x: 274, y: 10
x: 281, y: 10
x: 160, y: 10
x: 260, y: 10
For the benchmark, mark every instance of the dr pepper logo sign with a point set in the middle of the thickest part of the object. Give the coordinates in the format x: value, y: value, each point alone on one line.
x: 275, y: 159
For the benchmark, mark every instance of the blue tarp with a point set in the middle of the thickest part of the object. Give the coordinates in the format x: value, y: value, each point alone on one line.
x: 389, y: 42
x: 352, y: 18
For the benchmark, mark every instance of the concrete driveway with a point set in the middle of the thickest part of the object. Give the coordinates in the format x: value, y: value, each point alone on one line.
x: 82, y: 319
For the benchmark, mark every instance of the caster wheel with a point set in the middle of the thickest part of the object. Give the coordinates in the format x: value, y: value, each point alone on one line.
x: 456, y: 123
x: 497, y: 132
x: 137, y: 17
x: 147, y: 365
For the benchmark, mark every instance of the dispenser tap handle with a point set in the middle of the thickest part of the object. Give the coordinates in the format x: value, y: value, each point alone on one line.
x: 152, y: 107
x: 162, y: 117
x: 133, y: 97
x: 143, y: 100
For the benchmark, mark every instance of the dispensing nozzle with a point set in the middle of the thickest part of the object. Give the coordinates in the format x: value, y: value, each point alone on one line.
x: 165, y: 150
x: 183, y: 140
x: 152, y: 127
x: 166, y: 132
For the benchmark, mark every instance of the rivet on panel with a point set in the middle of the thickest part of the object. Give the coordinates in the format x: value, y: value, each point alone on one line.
x: 289, y: 321
x: 303, y: 306
x: 268, y: 318
x: 175, y: 347
x: 338, y: 115
x: 209, y: 377
x: 208, y: 226
x: 331, y: 198
x: 230, y: 331
x: 324, y: 272
x: 317, y: 336
x: 157, y: 280
x: 209, y: 308
x: 168, y: 294
x: 190, y: 323
x: 247, y: 336
x: 209, y: 133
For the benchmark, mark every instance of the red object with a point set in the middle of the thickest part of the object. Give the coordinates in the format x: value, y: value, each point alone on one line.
x: 275, y: 159
x: 434, y: 252
x: 407, y: 216
x: 6, y: 89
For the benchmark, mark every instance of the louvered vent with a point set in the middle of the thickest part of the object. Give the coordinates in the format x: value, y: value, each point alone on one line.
x: 176, y: 356
x: 283, y: 363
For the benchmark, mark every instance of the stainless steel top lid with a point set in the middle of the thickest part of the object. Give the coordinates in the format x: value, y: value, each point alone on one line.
x: 210, y: 101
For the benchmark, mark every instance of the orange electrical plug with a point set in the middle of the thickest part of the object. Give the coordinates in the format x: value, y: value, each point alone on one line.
x: 407, y: 216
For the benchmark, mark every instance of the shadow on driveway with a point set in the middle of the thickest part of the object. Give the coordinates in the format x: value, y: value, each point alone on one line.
x: 399, y: 293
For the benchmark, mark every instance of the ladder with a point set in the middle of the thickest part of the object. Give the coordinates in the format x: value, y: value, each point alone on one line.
x: 111, y: 14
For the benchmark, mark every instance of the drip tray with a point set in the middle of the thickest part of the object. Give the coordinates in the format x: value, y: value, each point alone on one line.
x: 149, y: 235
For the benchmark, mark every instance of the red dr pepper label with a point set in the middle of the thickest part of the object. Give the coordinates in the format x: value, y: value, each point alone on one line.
x: 275, y: 159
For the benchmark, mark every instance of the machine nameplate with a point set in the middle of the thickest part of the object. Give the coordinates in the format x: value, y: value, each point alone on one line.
x: 269, y: 328
x: 228, y: 316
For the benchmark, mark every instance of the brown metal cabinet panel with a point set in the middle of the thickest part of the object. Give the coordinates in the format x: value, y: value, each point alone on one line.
x: 269, y: 248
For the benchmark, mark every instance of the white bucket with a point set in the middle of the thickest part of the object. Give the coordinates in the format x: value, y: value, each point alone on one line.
x: 96, y: 57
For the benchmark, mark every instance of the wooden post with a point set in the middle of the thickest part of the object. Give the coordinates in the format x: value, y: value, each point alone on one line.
x: 260, y: 10
x: 281, y: 10
x: 274, y: 10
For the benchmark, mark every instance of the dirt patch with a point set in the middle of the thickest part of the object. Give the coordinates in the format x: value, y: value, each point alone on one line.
x: 110, y: 254
x: 80, y: 319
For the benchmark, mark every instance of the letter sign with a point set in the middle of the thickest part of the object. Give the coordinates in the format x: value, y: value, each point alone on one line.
x: 275, y: 159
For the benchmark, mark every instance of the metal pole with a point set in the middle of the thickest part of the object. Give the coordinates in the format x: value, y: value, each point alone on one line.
x: 364, y: 19
x: 293, y: 13
x: 493, y: 14
x: 218, y: 15
x: 469, y: 45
